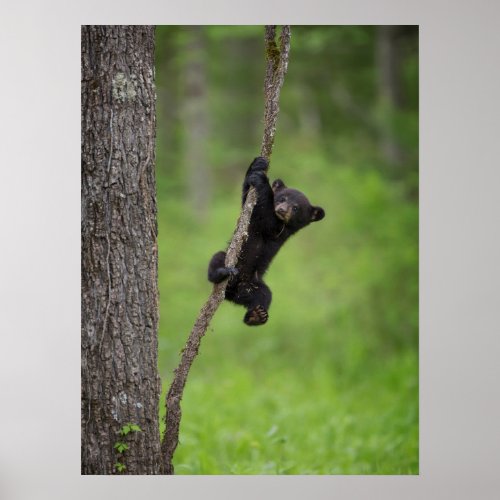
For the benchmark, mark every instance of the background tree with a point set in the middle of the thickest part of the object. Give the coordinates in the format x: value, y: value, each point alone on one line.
x: 120, y: 383
x: 390, y: 90
x: 195, y: 113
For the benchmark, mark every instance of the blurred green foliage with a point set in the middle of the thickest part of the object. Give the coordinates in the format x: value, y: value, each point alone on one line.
x: 330, y: 384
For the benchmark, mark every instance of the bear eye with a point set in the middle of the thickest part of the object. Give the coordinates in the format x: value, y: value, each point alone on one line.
x: 282, y: 199
x: 295, y: 208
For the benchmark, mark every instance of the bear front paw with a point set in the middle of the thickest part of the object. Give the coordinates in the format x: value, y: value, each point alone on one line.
x: 256, y: 178
x: 259, y: 164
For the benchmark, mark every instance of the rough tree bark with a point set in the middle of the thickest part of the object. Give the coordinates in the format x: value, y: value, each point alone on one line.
x: 277, y: 64
x: 120, y: 382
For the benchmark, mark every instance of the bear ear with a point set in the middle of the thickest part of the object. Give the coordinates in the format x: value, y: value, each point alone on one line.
x: 317, y: 214
x: 278, y: 184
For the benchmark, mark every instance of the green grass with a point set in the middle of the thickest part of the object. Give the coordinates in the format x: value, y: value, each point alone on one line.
x: 242, y: 420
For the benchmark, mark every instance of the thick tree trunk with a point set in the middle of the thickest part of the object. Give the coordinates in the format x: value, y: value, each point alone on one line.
x: 120, y: 382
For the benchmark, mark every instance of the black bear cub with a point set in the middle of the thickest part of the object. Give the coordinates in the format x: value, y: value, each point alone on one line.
x: 279, y: 213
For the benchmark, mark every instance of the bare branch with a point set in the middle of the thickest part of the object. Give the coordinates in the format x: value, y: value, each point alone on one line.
x: 277, y: 63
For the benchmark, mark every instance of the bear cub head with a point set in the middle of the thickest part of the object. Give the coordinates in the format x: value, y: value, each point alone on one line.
x: 293, y: 208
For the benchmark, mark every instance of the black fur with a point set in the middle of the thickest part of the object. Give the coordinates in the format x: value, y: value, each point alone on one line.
x: 279, y: 213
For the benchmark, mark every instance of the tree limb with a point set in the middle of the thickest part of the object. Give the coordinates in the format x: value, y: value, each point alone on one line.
x: 277, y: 64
